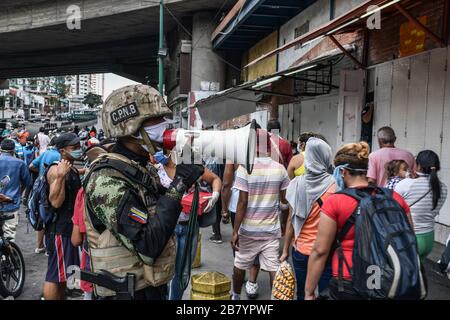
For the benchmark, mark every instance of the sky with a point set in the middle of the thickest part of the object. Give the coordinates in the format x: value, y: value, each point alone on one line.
x: 113, y: 82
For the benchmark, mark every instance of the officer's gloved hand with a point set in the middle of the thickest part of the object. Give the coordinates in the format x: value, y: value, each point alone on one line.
x: 186, y: 175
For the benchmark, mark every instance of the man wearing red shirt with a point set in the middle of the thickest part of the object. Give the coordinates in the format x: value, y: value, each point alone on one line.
x: 281, y: 148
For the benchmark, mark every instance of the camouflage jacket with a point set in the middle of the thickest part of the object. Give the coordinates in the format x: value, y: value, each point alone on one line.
x: 116, y: 204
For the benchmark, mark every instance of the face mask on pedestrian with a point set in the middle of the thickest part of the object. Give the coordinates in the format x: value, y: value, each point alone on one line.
x: 161, y: 158
x: 75, y: 154
x: 338, y: 177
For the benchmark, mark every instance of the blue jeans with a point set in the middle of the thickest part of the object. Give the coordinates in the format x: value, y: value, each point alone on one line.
x: 181, y: 231
x: 300, y: 262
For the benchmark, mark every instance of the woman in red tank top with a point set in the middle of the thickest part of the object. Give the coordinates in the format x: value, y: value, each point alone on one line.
x: 351, y: 163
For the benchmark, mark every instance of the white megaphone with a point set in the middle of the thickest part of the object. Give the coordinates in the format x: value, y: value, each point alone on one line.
x: 192, y: 146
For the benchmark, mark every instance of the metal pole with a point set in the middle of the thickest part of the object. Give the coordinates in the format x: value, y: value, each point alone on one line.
x: 161, y: 46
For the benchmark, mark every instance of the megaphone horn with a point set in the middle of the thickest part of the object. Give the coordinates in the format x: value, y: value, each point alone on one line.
x: 191, y: 146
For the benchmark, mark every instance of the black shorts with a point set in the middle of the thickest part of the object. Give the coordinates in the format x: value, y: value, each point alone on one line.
x: 61, y: 255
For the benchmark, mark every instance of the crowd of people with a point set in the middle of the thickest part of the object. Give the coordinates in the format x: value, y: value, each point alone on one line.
x: 290, y: 207
x: 23, y: 159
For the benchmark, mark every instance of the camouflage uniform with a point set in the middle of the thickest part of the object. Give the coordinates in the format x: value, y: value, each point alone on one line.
x: 130, y: 220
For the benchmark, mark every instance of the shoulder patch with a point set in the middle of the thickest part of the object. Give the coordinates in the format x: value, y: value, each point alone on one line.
x: 138, y: 215
x: 124, y: 113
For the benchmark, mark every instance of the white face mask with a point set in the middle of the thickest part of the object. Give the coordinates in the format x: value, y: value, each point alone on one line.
x: 155, y: 132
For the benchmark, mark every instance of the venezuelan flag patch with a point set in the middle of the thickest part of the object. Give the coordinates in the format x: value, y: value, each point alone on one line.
x: 138, y: 215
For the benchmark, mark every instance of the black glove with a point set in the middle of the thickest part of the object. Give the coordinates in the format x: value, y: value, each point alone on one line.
x: 187, y: 175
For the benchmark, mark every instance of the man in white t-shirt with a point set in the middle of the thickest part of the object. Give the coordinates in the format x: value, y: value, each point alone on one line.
x: 43, y: 140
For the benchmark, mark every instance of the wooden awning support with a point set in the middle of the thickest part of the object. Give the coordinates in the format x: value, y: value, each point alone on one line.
x: 348, y: 54
x: 419, y: 25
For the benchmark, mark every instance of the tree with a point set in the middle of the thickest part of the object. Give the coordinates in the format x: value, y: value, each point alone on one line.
x: 93, y: 100
x: 62, y: 90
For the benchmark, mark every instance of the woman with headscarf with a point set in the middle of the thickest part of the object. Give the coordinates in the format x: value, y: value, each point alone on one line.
x: 305, y: 195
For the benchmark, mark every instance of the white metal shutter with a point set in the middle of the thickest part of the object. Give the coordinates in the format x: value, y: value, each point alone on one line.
x: 444, y: 217
x: 319, y: 115
x: 417, y: 103
x: 399, y: 104
x: 283, y: 112
x: 435, y: 100
x: 383, y: 91
x: 351, y: 96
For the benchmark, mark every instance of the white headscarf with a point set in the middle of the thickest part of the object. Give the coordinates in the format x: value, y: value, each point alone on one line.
x: 305, y: 190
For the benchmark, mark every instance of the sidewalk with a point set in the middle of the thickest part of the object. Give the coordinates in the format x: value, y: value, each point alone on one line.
x: 215, y: 257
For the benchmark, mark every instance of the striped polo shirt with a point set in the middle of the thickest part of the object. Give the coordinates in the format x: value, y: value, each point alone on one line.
x: 263, y: 185
x: 412, y: 190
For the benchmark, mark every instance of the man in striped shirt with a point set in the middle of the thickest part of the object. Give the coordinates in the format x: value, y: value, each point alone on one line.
x: 257, y: 229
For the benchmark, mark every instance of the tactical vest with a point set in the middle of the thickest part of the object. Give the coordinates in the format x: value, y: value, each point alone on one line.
x: 111, y: 252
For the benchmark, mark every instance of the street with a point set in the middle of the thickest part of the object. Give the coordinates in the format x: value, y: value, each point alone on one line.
x: 215, y: 257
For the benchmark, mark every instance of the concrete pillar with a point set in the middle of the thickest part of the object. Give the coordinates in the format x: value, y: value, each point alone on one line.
x: 206, y: 64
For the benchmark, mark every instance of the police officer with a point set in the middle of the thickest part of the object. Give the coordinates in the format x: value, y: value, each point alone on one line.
x: 130, y: 219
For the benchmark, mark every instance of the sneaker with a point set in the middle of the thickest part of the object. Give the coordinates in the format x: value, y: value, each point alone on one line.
x: 216, y: 239
x: 235, y: 296
x: 251, y: 289
x: 39, y: 250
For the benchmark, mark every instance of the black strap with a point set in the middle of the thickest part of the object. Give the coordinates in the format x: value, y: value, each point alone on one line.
x: 356, y: 194
x: 320, y: 202
x: 186, y: 258
x: 418, y: 200
x: 131, y: 172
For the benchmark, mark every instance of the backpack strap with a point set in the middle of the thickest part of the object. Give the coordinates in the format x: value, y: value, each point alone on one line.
x: 51, y: 225
x: 358, y: 195
x: 340, y: 252
x: 320, y: 202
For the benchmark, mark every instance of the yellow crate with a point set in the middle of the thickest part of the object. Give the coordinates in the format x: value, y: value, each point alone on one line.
x: 211, y: 283
x: 204, y: 296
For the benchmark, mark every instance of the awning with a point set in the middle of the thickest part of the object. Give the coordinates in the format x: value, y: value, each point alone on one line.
x: 252, y: 20
x: 228, y: 104
x: 352, y: 20
x: 243, y: 99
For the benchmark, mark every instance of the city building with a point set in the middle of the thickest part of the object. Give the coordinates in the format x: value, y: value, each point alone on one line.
x: 314, y: 66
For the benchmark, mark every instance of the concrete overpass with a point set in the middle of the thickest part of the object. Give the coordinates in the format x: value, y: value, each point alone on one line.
x: 119, y: 36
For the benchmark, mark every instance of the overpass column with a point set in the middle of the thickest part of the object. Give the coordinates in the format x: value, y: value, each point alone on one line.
x: 206, y: 64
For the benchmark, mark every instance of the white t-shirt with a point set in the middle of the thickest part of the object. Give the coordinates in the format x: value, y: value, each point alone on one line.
x: 421, y: 210
x: 44, y: 141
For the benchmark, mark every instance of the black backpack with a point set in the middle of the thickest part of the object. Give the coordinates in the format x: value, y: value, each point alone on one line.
x: 39, y: 211
x: 386, y: 263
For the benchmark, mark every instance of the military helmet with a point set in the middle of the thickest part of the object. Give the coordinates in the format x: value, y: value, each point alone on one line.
x: 127, y: 108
